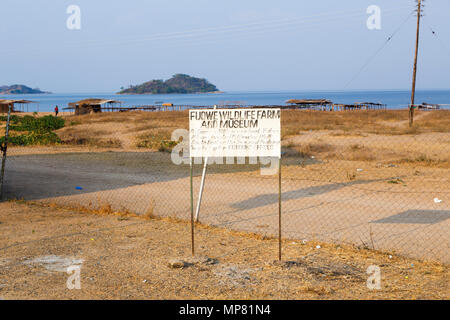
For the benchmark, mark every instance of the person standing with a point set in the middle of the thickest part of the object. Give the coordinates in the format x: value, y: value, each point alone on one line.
x: 56, y: 111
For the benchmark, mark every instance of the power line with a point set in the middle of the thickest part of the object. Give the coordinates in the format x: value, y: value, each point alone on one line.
x: 443, y: 45
x: 377, y: 52
x: 251, y: 34
x: 220, y: 31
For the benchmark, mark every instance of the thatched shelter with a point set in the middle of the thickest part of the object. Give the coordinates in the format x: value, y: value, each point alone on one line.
x: 92, y: 105
x: 359, y: 106
x: 427, y: 106
x: 310, y: 102
x: 313, y: 104
x: 327, y: 105
x: 16, y: 105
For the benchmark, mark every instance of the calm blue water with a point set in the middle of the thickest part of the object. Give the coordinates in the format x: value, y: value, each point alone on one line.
x: 394, y: 99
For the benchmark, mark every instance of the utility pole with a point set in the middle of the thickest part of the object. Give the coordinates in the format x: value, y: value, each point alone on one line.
x: 413, y: 93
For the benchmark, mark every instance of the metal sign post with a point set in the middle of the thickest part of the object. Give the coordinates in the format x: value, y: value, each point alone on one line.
x: 279, y: 208
x: 202, y: 185
x: 192, y: 208
x: 4, y: 148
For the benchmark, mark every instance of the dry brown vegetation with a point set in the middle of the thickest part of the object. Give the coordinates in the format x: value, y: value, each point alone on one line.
x: 382, y: 136
x: 356, y: 123
x: 150, y: 130
x: 129, y: 257
x: 126, y: 255
x: 73, y: 136
x: 373, y: 136
x: 391, y: 122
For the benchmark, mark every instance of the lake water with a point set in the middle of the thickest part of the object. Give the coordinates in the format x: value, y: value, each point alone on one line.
x: 393, y: 99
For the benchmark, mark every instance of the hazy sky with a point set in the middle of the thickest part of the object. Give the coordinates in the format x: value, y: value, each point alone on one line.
x: 238, y: 45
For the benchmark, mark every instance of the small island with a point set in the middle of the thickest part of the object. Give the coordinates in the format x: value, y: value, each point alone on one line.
x: 19, y: 89
x: 179, y: 83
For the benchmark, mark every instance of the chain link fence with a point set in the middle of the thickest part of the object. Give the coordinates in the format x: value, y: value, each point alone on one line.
x: 362, y: 178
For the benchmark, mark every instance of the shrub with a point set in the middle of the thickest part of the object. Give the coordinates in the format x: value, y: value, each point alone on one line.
x: 36, y: 131
x: 33, y: 138
x: 43, y: 124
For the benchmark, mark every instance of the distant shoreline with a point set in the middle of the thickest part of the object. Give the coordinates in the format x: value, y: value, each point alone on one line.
x: 19, y: 89
x: 23, y: 94
x: 394, y: 99
x: 175, y: 93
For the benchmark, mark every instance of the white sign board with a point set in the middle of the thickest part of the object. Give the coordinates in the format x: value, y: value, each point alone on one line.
x: 235, y: 133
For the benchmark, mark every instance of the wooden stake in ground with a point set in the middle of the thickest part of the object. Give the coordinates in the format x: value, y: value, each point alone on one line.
x: 4, y: 148
x: 413, y: 93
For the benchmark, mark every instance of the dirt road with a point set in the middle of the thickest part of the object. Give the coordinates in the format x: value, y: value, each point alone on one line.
x: 374, y: 209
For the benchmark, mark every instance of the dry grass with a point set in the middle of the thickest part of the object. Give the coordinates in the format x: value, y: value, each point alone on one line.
x: 91, y: 138
x: 127, y: 258
x: 392, y: 122
x: 370, y: 136
x: 382, y: 136
x: 437, y: 121
x: 424, y: 160
x: 294, y: 121
x: 148, y: 130
x: 138, y: 119
x: 155, y: 140
x: 361, y: 152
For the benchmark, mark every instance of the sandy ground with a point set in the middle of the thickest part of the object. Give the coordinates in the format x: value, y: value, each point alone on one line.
x: 363, y: 178
x: 389, y: 208
x: 367, y: 190
x: 127, y: 257
x: 42, y: 114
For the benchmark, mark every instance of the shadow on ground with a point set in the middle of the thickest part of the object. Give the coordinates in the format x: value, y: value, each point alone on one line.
x: 417, y: 217
x: 34, y: 177
x: 272, y: 198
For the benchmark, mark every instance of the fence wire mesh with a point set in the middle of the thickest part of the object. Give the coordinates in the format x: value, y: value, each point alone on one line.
x: 362, y: 177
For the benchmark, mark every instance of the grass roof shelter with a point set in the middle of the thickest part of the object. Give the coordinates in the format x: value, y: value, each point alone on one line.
x: 92, y: 105
x: 16, y: 105
x: 360, y: 106
x: 314, y: 104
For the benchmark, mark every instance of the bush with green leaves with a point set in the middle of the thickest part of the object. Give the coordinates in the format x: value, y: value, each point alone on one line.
x: 36, y: 130
x: 33, y: 138
x: 43, y: 124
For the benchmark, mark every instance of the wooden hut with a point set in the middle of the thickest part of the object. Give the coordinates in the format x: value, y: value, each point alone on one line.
x: 5, y: 104
x: 16, y: 105
x: 359, y: 106
x: 88, y: 106
x: 428, y: 106
x: 319, y: 104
